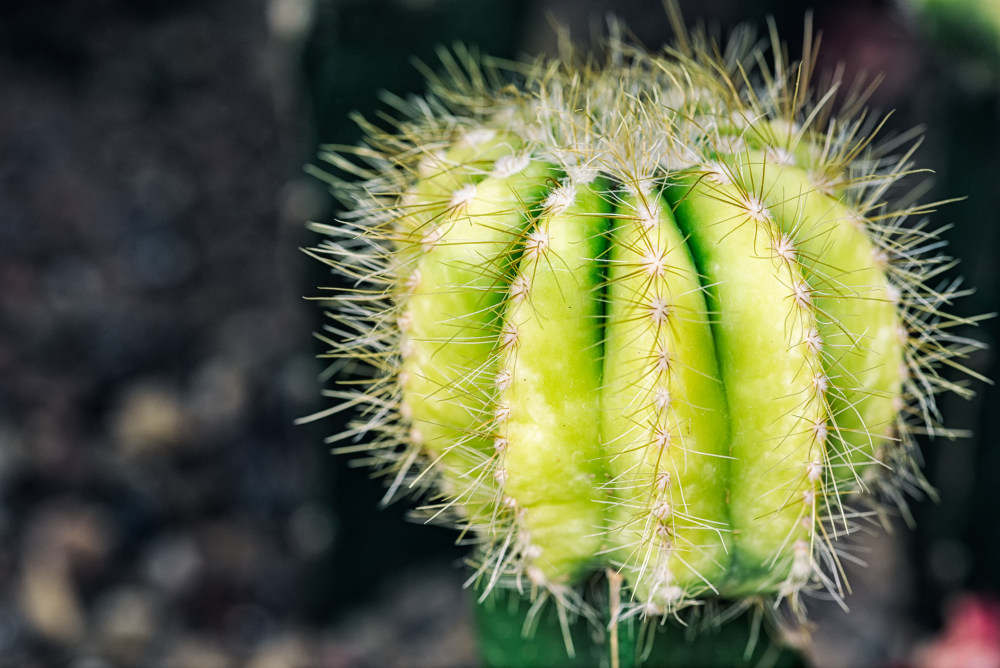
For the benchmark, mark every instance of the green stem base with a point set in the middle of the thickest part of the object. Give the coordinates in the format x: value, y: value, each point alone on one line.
x: 500, y: 621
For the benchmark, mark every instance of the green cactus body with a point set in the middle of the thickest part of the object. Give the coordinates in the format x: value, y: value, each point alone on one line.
x: 451, y: 322
x: 664, y: 418
x: 549, y: 384
x: 859, y: 328
x: 440, y: 175
x: 771, y: 372
x: 634, y: 330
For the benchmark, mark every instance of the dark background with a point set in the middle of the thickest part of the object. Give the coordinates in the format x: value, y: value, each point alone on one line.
x: 157, y: 505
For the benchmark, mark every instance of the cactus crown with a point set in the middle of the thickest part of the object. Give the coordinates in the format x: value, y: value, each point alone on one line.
x: 655, y: 314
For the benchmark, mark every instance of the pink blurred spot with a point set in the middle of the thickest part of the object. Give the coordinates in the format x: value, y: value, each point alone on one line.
x: 971, y: 638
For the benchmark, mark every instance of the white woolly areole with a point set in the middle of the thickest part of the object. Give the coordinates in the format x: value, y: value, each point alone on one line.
x: 508, y: 335
x: 519, y: 288
x: 463, y: 195
x: 756, y: 209
x: 503, y: 379
x: 670, y: 595
x: 500, y: 475
x: 642, y: 189
x: 536, y: 243
x: 813, y: 341
x: 819, y: 430
x: 478, y: 136
x: 581, y: 174
x: 780, y: 156
x: 649, y: 214
x: 413, y: 281
x: 560, y: 199
x: 661, y: 437
x: 536, y: 576
x: 663, y: 359
x: 659, y: 310
x: 801, y: 563
x: 716, y: 173
x: 655, y: 263
x: 661, y: 398
x: 802, y: 294
x: 784, y: 248
x: 509, y: 165
x: 430, y: 163
x: 880, y: 258
x: 666, y: 542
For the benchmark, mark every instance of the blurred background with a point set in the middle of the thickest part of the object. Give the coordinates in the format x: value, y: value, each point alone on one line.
x: 157, y: 505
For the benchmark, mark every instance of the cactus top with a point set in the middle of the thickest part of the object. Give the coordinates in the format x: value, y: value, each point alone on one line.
x: 653, y: 314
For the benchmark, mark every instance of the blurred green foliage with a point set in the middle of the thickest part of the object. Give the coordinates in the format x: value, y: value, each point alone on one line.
x: 969, y: 26
x: 500, y: 622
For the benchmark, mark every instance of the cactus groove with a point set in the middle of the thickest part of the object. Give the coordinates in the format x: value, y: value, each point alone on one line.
x: 653, y: 315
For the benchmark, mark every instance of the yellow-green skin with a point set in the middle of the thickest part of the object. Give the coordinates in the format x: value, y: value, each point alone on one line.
x: 768, y: 370
x: 858, y: 325
x: 855, y: 312
x: 440, y: 175
x: 451, y: 327
x: 552, y: 453
x: 670, y: 388
x: 664, y: 420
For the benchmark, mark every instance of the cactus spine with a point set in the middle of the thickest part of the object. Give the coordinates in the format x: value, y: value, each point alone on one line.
x: 653, y: 315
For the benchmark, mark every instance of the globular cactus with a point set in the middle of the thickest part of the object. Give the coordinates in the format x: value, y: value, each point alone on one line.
x: 655, y: 316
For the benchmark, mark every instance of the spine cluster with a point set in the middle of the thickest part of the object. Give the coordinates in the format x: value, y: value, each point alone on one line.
x: 656, y: 315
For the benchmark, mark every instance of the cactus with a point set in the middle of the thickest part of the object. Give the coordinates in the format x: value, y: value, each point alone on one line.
x: 653, y: 317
